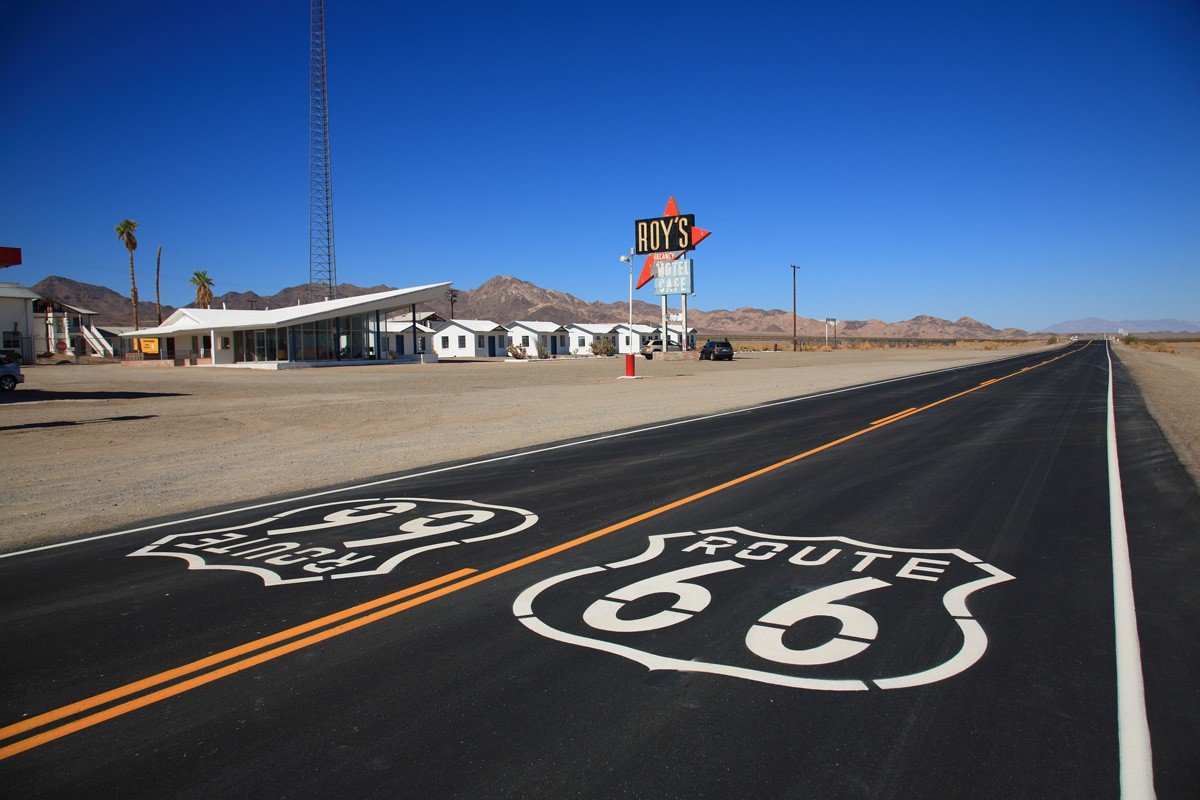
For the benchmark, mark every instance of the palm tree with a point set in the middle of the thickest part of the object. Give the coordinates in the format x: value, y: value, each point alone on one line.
x: 125, y: 236
x: 157, y: 275
x: 203, y: 284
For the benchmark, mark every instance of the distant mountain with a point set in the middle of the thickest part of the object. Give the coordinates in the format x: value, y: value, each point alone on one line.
x: 1098, y: 325
x: 505, y: 298
x: 111, y: 308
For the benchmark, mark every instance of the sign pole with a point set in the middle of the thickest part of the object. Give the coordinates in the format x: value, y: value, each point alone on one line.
x: 665, y: 331
x: 683, y: 341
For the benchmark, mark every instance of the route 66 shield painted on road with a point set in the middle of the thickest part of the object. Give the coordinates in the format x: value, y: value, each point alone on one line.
x: 828, y: 613
x: 341, y: 539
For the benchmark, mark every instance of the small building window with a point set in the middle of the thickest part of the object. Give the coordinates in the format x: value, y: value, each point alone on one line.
x: 481, y: 342
x: 562, y: 340
x: 581, y: 341
x: 462, y: 342
x: 12, y: 340
x: 626, y: 341
x: 524, y: 341
x: 445, y: 342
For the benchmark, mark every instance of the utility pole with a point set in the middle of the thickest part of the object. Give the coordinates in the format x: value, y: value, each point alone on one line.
x: 322, y: 263
x: 793, y: 308
x: 452, y: 296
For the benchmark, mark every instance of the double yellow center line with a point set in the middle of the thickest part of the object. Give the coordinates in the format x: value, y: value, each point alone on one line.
x: 259, y: 651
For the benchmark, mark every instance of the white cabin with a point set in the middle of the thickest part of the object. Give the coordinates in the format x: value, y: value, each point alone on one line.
x: 470, y: 338
x: 529, y: 334
x: 581, y: 336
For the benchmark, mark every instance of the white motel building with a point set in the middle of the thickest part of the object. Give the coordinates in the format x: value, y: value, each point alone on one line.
x: 346, y: 330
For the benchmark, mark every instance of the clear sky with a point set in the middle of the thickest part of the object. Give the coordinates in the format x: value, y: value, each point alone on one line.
x: 1021, y: 163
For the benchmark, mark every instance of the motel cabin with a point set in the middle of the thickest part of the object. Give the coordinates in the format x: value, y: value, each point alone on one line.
x: 347, y: 330
x: 529, y: 334
x: 581, y: 336
x: 470, y: 338
x: 627, y: 343
x: 673, y: 334
x: 407, y: 338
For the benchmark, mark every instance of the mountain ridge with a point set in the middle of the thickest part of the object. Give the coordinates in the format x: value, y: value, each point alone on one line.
x: 1101, y: 325
x: 504, y: 298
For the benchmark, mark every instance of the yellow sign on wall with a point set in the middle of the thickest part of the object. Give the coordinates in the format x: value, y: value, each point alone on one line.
x: 148, y: 346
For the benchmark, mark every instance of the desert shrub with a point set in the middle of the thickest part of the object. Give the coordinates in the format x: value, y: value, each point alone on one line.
x: 542, y: 352
x: 825, y: 348
x: 603, y: 346
x: 1151, y: 346
x: 516, y: 351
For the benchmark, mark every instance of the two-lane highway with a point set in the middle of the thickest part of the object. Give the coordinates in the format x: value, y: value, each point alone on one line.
x: 921, y: 587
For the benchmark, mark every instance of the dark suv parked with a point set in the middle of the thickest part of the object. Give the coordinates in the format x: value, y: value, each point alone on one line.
x: 717, y: 349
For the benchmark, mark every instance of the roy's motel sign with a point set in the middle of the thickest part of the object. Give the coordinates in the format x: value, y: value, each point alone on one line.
x: 665, y: 238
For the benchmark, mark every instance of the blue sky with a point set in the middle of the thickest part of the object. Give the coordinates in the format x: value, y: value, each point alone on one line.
x: 1017, y: 163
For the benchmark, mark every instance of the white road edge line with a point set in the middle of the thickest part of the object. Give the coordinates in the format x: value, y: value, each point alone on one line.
x: 1133, y: 728
x: 494, y: 459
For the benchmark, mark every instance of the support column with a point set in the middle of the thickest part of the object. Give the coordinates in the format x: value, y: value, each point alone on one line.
x: 665, y: 333
x: 412, y: 316
x: 683, y: 341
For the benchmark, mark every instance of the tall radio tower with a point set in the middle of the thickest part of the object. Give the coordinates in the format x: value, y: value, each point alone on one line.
x: 322, y: 263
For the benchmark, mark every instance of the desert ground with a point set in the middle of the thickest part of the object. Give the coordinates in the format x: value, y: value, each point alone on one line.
x: 95, y: 448
x: 1170, y: 383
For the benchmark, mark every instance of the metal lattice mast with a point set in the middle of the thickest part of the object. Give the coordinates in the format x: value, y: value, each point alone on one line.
x: 322, y: 263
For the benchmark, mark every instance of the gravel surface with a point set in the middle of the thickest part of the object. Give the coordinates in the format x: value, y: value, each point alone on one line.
x: 1170, y: 382
x: 95, y: 448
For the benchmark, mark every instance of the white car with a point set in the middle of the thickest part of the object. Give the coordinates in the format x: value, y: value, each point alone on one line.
x: 10, y: 372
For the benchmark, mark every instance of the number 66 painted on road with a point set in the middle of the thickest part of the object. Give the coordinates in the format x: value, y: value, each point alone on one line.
x: 582, y: 608
x: 765, y: 638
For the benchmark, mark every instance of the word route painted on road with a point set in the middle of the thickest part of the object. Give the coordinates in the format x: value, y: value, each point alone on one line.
x: 341, y: 539
x: 827, y: 613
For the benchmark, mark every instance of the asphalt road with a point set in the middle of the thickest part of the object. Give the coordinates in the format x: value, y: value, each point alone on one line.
x: 909, y: 589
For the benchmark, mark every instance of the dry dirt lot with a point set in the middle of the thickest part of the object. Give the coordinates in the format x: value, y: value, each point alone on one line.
x: 1170, y: 382
x: 94, y: 448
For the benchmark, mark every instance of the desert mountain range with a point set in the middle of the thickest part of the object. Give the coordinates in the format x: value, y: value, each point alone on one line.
x: 505, y: 298
x: 1099, y: 325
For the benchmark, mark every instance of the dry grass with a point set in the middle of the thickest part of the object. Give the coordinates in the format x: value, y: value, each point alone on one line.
x: 1150, y: 346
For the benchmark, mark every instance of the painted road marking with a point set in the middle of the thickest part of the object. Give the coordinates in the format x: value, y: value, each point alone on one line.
x: 315, y: 543
x: 435, y: 593
x: 844, y: 580
x: 893, y: 417
x: 1133, y: 728
x: 87, y: 704
x: 495, y: 459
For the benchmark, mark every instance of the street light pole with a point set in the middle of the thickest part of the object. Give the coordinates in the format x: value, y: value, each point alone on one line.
x: 793, y: 308
x: 629, y: 360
